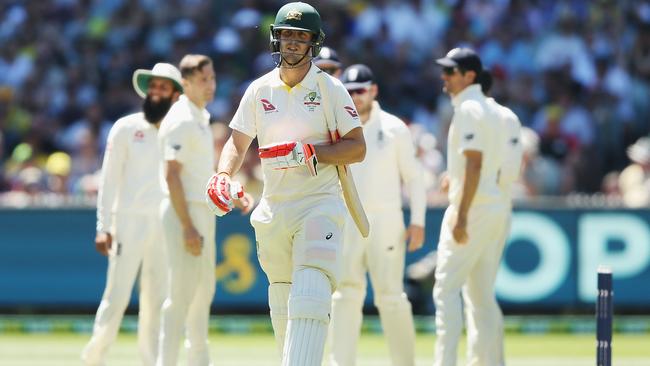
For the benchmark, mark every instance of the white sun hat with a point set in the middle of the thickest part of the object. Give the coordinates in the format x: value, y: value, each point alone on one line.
x: 141, y: 77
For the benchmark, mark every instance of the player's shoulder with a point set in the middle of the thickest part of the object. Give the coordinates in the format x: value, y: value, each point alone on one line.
x: 392, y: 122
x: 128, y: 122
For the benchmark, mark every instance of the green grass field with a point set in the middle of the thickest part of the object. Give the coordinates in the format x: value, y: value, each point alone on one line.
x: 62, y: 349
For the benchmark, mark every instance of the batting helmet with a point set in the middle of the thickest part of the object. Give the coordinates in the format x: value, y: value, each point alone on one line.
x: 298, y: 16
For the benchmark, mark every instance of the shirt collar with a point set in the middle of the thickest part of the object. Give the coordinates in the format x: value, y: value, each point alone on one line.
x: 471, y: 92
x: 202, y: 114
x: 309, y: 81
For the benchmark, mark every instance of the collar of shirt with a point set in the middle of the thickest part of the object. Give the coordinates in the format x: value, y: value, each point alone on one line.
x: 375, y: 111
x: 310, y: 80
x: 201, y: 115
x: 471, y: 92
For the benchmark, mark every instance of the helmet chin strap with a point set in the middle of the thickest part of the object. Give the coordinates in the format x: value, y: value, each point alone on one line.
x: 285, y: 64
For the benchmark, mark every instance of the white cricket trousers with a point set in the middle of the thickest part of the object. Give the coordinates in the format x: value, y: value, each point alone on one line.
x: 381, y: 254
x: 471, y: 266
x: 186, y: 310
x: 137, y: 245
x: 299, y: 249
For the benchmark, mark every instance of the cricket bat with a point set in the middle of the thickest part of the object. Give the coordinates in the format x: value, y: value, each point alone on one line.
x: 350, y: 194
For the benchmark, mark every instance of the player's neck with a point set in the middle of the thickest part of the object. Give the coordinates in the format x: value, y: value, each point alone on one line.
x: 197, y: 101
x: 293, y: 76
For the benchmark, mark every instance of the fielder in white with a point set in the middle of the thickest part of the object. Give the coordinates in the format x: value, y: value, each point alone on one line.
x: 299, y: 220
x: 509, y: 173
x: 128, y: 227
x: 390, y: 162
x: 188, y: 162
x: 473, y: 226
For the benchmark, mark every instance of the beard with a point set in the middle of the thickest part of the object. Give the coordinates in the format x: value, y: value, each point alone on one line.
x: 155, y: 111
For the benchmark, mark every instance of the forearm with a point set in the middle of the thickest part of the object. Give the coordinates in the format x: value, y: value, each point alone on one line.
x: 177, y: 198
x: 350, y: 149
x: 470, y: 185
x: 231, y: 159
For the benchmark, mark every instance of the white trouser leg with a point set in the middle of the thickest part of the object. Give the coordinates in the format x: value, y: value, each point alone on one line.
x: 309, y: 307
x: 455, y: 262
x: 484, y: 317
x: 198, y: 316
x: 386, y: 255
x: 124, y: 259
x: 279, y: 305
x: 347, y: 300
x: 191, y: 279
x: 153, y: 286
x: 345, y: 326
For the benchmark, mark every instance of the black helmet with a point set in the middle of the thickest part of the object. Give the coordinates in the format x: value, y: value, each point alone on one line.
x: 298, y: 16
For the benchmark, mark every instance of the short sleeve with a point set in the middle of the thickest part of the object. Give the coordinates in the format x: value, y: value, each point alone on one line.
x: 176, y: 143
x: 472, y: 136
x: 244, y: 119
x: 345, y: 112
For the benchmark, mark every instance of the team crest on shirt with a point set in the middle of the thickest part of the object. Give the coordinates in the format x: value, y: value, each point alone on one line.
x: 311, y: 101
x: 268, y: 107
x: 138, y: 136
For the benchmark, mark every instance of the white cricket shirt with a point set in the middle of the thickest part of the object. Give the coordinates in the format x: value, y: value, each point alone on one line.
x: 186, y: 137
x: 513, y: 150
x: 275, y: 113
x: 475, y: 126
x: 390, y: 160
x: 128, y: 177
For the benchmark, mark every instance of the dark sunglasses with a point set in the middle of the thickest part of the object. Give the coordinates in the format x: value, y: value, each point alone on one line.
x: 449, y: 70
x: 359, y: 91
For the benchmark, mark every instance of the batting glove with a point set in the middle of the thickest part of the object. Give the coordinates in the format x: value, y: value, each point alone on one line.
x: 288, y: 155
x: 220, y: 193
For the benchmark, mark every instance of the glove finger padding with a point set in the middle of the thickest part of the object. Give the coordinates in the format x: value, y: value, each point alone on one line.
x: 218, y: 195
x: 288, y: 155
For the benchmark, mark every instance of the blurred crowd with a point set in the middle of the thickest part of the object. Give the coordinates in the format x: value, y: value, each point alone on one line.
x: 576, y: 72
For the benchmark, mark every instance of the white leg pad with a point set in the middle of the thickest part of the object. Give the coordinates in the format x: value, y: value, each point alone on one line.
x: 397, y: 323
x: 309, y: 308
x: 279, y: 305
x: 345, y: 326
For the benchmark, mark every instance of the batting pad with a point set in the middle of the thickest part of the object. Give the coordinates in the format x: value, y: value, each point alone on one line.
x: 278, y: 303
x: 347, y: 305
x: 397, y: 321
x: 309, y: 308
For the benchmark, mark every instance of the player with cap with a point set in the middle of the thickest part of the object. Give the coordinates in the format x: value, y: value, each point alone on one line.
x: 128, y: 227
x: 187, y: 159
x: 328, y: 61
x: 390, y: 159
x: 473, y: 225
x: 299, y: 220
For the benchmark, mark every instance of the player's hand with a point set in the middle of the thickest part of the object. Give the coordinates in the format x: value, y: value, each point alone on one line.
x: 221, y: 192
x: 444, y: 183
x: 288, y: 155
x: 246, y: 203
x: 460, y: 229
x: 414, y: 237
x: 103, y: 242
x: 193, y: 241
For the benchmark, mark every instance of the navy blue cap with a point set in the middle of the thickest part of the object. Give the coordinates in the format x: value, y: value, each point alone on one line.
x: 357, y: 76
x: 463, y: 58
x: 327, y: 56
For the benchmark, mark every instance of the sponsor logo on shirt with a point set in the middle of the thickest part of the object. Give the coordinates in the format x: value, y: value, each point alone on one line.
x: 138, y: 136
x: 268, y: 107
x: 176, y: 147
x: 311, y: 101
x: 469, y: 136
x: 351, y: 111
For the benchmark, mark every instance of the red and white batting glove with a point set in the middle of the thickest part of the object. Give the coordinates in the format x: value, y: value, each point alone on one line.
x: 220, y: 193
x: 288, y: 155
